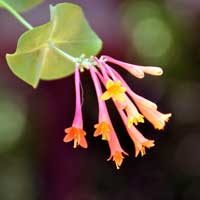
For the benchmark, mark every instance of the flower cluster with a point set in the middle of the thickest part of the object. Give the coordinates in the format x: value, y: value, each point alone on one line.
x: 132, y: 108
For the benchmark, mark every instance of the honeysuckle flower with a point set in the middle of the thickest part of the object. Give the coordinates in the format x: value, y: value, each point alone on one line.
x: 136, y: 70
x: 132, y: 107
x: 76, y: 132
x: 116, y: 151
x: 157, y: 118
x: 138, y: 139
x: 105, y: 127
x: 134, y: 117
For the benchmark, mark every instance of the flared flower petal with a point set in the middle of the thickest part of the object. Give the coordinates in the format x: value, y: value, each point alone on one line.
x: 140, y: 147
x: 104, y: 129
x: 106, y: 95
x: 117, y: 158
x: 76, y: 134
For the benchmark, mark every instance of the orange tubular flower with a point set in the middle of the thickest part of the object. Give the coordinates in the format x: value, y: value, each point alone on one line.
x: 116, y: 151
x: 138, y: 139
x: 104, y: 127
x: 157, y: 118
x: 133, y: 115
x: 76, y: 132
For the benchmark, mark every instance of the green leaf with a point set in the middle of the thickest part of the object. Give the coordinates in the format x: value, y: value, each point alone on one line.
x: 69, y: 31
x: 21, y: 5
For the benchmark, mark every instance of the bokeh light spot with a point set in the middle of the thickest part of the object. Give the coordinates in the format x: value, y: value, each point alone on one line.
x: 142, y: 9
x: 152, y: 37
x: 12, y: 122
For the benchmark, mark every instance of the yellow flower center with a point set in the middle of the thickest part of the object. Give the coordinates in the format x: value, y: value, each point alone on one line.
x: 114, y: 90
x: 135, y: 120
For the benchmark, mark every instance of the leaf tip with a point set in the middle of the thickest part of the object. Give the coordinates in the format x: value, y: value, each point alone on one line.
x: 35, y: 86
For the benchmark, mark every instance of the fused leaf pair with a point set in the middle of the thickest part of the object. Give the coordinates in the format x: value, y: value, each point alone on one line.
x: 39, y: 53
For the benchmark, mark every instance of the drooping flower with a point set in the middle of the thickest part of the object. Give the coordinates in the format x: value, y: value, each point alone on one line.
x: 116, y: 151
x: 105, y: 127
x: 132, y: 107
x: 76, y: 132
x: 136, y: 70
x: 134, y: 117
x: 138, y: 139
x: 157, y: 118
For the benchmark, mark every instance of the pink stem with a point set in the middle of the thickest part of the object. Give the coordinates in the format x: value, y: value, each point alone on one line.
x: 102, y: 69
x: 107, y: 67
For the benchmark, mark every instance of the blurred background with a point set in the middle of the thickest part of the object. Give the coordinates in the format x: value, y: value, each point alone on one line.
x: 35, y: 163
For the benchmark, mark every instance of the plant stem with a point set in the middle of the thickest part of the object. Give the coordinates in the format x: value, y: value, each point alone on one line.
x: 66, y: 55
x: 16, y: 14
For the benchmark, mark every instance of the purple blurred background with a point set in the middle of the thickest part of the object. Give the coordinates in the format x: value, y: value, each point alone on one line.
x: 34, y: 161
